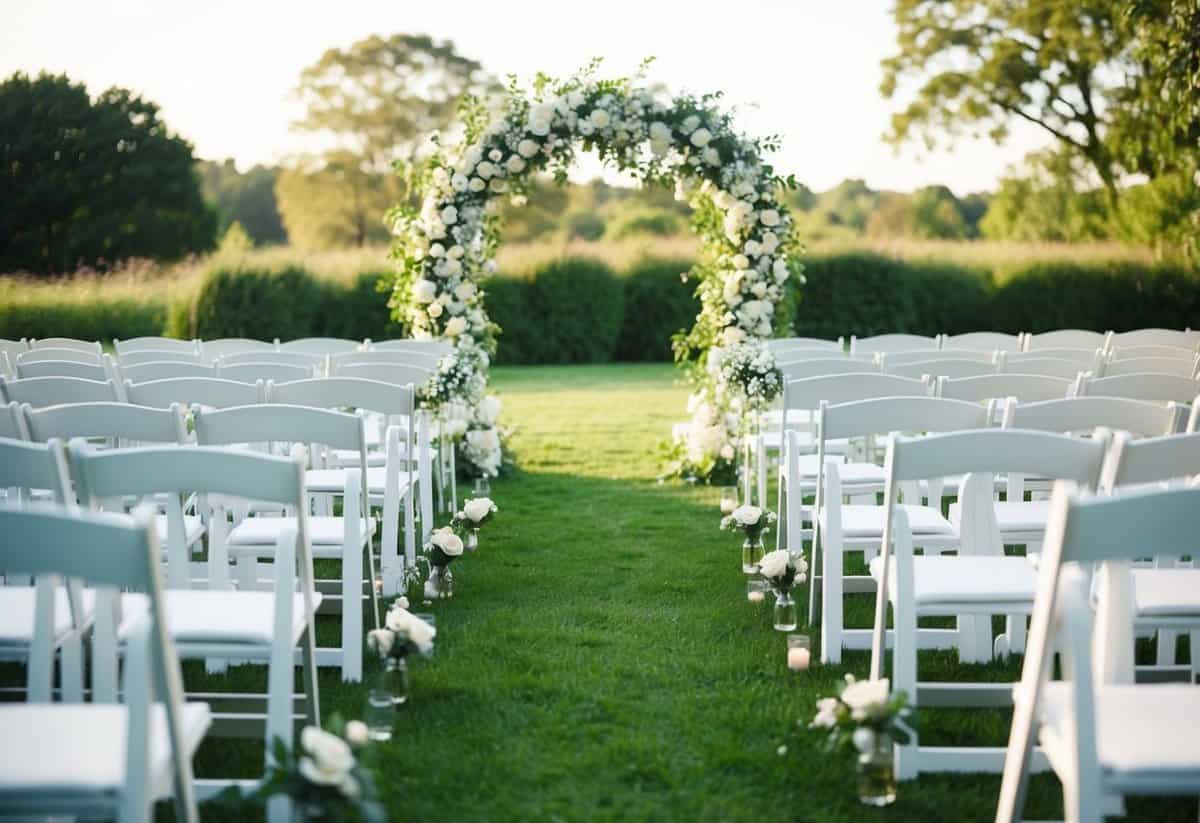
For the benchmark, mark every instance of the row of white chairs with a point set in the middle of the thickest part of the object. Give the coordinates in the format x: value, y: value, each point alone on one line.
x: 223, y: 347
x: 996, y: 341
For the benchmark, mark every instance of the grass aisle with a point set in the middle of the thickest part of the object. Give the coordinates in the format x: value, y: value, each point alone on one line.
x: 600, y: 660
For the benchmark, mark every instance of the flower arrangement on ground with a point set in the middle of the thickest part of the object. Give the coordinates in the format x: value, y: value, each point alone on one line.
x: 868, y: 716
x: 749, y: 370
x: 753, y: 522
x: 476, y: 511
x: 402, y: 634
x: 446, y: 247
x: 323, y: 777
x: 782, y: 570
x: 443, y: 548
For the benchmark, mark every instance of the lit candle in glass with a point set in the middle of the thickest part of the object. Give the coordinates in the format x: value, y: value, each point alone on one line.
x: 799, y: 653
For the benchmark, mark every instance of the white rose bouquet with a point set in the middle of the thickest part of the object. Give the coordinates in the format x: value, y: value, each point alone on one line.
x: 322, y: 776
x: 749, y: 369
x: 475, y: 512
x: 782, y: 569
x: 444, y: 547
x: 753, y: 521
x: 402, y: 634
x: 863, y: 711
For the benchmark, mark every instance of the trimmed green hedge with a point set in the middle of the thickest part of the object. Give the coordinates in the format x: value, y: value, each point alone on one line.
x: 578, y: 310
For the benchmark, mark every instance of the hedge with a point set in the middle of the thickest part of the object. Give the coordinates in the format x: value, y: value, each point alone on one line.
x: 578, y: 310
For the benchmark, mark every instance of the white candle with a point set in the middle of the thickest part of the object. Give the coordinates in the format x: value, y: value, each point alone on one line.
x: 755, y: 596
x: 798, y: 659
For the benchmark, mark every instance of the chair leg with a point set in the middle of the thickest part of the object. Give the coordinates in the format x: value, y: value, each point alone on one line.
x: 391, y: 566
x: 831, y: 596
x: 1168, y: 640
x: 761, y: 464
x: 72, y: 668
x: 352, y: 616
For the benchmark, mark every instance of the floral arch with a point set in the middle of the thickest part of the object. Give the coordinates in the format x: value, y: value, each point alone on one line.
x: 749, y: 251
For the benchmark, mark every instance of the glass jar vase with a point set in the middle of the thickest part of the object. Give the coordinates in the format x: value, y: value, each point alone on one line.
x: 752, y: 553
x: 440, y: 585
x: 785, y: 611
x: 876, y: 772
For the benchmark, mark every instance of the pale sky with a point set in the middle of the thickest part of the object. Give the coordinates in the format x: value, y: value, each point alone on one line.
x: 222, y: 71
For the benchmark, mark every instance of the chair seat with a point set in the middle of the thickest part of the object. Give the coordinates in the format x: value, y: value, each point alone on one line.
x: 1142, y: 732
x: 867, y: 521
x: 1017, y: 517
x: 200, y: 616
x: 193, y: 528
x: 16, y: 613
x: 71, y: 752
x: 322, y: 531
x: 950, y: 580
x: 1167, y: 592
x: 333, y: 481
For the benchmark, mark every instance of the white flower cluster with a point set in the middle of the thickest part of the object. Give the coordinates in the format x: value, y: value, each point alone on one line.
x: 327, y: 761
x: 750, y: 370
x: 711, y: 432
x: 402, y: 632
x: 783, y: 568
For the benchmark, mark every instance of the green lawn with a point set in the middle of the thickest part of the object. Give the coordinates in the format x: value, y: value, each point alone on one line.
x: 600, y: 660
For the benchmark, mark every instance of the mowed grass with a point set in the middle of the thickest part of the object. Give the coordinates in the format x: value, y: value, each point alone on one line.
x: 600, y: 660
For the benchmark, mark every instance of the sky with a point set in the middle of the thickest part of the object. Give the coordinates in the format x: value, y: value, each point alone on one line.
x: 223, y: 71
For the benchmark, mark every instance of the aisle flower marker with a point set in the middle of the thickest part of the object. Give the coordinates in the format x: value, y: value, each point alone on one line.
x: 475, y: 512
x: 444, y: 547
x: 753, y: 522
x: 323, y: 778
x: 403, y: 633
x: 782, y: 570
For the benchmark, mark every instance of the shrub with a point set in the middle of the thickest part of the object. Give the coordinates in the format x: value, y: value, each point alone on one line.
x: 856, y: 293
x: 647, y: 221
x: 585, y: 225
x: 358, y: 309
x: 93, y: 320
x: 236, y: 300
x: 508, y: 299
x: 657, y: 304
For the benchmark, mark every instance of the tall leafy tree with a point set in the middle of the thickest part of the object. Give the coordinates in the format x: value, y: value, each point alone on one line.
x: 247, y: 198
x: 88, y: 182
x: 374, y: 104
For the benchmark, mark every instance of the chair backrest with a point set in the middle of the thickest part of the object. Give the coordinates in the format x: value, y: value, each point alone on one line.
x: 794, y: 355
x: 65, y: 368
x: 53, y: 391
x: 1157, y: 388
x: 136, y: 358
x: 12, y: 421
x: 75, y: 355
x: 275, y: 422
x: 321, y: 345
x: 809, y: 393
x: 145, y: 372
x: 438, y: 347
x: 1177, y: 366
x: 900, y: 358
x: 212, y: 392
x: 376, y: 396
x: 160, y: 344
x: 424, y: 360
x: 396, y: 373
x: 1024, y: 387
x: 881, y: 415
x: 26, y: 466
x: 14, y: 347
x: 1066, y: 338
x: 121, y: 421
x: 116, y: 552
x: 1131, y: 461
x: 940, y: 367
x: 1149, y: 350
x: 227, y: 346
x: 891, y: 343
x: 782, y: 344
x: 1086, y: 358
x: 800, y: 369
x: 1084, y: 414
x: 287, y: 358
x: 90, y: 346
x: 1156, y: 337
x: 987, y: 341
x: 250, y: 372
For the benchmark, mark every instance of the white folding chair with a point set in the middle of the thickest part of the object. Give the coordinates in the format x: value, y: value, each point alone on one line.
x: 979, y: 582
x: 31, y: 471
x: 900, y: 358
x: 439, y: 347
x: 397, y: 373
x: 306, y: 360
x: 800, y: 369
x: 1178, y: 366
x: 1166, y: 592
x: 1104, y: 739
x: 1067, y: 339
x: 986, y: 341
x: 1156, y: 388
x: 219, y: 622
x: 1047, y: 366
x: 346, y: 538
x: 98, y: 759
x: 212, y: 350
x: 940, y: 367
x: 389, y: 485
x: 38, y: 355
x: 167, y: 370
x: 155, y: 344
x: 101, y: 371
x: 1024, y: 387
x: 209, y: 392
x: 839, y: 527
x: 780, y: 345
x: 1137, y: 352
x: 90, y: 346
x: 250, y: 372
x: 322, y: 346
x: 1156, y: 337
x: 140, y: 356
x: 891, y: 343
x: 390, y: 357
x: 54, y: 391
x: 12, y: 422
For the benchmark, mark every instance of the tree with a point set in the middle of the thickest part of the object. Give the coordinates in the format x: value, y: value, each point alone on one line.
x: 246, y: 198
x: 375, y: 104
x: 91, y: 183
x: 985, y: 64
x: 1049, y: 200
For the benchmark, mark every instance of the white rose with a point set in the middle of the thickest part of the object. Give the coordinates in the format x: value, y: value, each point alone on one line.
x: 329, y: 757
x: 498, y: 186
x: 478, y: 508
x: 689, y: 124
x: 494, y: 155
x: 465, y: 291
x: 727, y: 452
x: 575, y: 99
x: 486, y: 170
x: 455, y: 428
x: 700, y: 138
x: 770, y: 242
x: 769, y: 217
x: 780, y: 270
x: 527, y: 148
x: 449, y: 215
x: 660, y: 131
x: 759, y: 290
x: 741, y: 261
x: 456, y: 251
x: 774, y: 564
x: 586, y: 128
x: 435, y: 310
x: 400, y: 602
x: 484, y: 440
x: 380, y: 641
x: 421, y: 634
x: 476, y: 185
x: 515, y: 164
x: 458, y: 182
x: 862, y: 696
x: 356, y: 733
x: 826, y: 713
x: 599, y: 118
x: 437, y: 250
x: 424, y: 291
x: 732, y: 335
x: 711, y: 156
x: 747, y: 515
x: 489, y: 409
x: 451, y: 267
x: 456, y: 326
x: 445, y: 539
x: 659, y: 148
x: 723, y: 200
